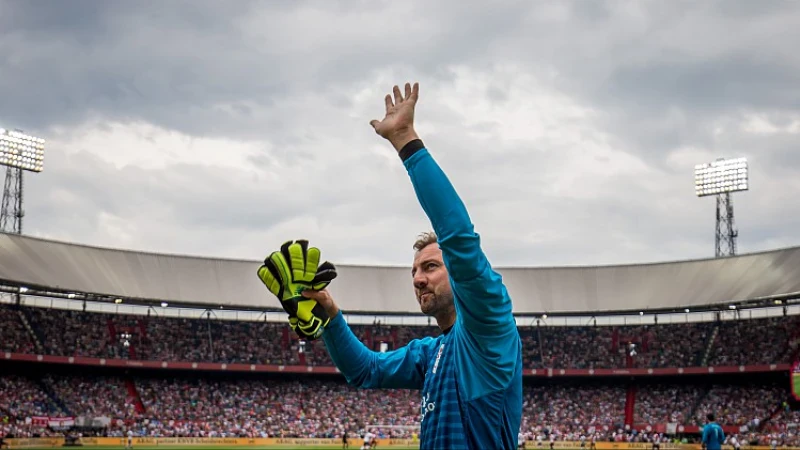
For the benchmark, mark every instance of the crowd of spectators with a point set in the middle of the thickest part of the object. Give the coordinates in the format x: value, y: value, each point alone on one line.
x: 200, y: 407
x: 77, y: 333
x: 73, y: 333
x: 206, y: 406
x: 735, y: 404
x: 13, y: 335
x: 567, y: 408
x: 785, y: 427
x: 312, y: 408
x: 742, y: 405
x: 767, y: 343
x: 665, y: 403
x: 325, y: 408
x: 93, y: 396
x: 21, y: 397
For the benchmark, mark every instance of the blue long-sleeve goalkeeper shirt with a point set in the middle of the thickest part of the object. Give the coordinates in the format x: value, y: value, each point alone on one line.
x: 713, y: 436
x: 470, y: 376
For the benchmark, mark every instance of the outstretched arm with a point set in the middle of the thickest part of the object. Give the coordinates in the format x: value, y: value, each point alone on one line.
x: 403, y: 368
x: 482, y: 301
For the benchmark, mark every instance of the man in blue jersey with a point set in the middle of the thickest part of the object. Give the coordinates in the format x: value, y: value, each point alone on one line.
x: 471, y: 375
x: 713, y: 436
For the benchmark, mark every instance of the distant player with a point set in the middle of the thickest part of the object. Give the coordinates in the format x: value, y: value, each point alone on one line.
x: 656, y: 441
x: 552, y: 440
x: 344, y: 440
x: 373, y: 444
x: 593, y: 444
x: 130, y: 439
x: 520, y: 440
x: 734, y: 442
x: 539, y: 439
x: 583, y: 440
x: 369, y: 439
x: 713, y: 436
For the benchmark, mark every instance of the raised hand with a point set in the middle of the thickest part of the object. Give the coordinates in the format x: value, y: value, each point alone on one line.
x: 398, y: 125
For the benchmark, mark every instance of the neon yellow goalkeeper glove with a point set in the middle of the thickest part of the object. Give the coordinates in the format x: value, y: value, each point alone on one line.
x: 292, y: 270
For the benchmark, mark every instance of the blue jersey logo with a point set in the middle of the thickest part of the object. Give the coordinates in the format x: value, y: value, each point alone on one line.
x: 426, y: 406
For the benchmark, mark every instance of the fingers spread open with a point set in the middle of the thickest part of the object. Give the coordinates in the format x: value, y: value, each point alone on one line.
x: 389, y: 103
x: 398, y: 97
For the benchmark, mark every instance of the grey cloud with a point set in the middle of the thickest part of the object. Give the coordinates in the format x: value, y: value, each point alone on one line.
x: 168, y: 63
x: 706, y: 86
x: 191, y: 195
x: 658, y: 78
x: 175, y: 65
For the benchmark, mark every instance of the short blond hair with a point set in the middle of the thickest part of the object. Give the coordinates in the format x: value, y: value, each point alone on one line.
x: 424, y: 240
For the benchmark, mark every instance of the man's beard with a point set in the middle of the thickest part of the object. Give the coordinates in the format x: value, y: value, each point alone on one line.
x: 437, y: 304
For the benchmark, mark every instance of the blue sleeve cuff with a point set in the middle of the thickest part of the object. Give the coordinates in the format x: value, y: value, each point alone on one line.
x: 337, y: 321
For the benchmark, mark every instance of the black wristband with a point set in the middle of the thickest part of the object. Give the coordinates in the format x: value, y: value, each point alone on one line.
x: 409, y: 149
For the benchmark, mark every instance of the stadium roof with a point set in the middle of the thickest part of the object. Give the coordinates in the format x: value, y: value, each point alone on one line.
x: 60, y: 267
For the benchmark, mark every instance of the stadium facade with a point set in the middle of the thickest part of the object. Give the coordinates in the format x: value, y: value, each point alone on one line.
x: 59, y: 268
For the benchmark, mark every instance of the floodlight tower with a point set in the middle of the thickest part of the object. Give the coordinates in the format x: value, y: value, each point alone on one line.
x: 722, y: 178
x: 18, y: 152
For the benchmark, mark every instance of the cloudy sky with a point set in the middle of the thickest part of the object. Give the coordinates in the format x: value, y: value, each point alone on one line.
x: 571, y: 129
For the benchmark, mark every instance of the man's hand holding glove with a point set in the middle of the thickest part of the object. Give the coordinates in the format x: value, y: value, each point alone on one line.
x: 292, y: 270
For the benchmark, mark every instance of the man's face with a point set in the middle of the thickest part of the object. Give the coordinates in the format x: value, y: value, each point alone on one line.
x: 431, y: 281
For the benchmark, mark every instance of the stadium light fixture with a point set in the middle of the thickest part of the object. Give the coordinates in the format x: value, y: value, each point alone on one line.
x: 21, y: 151
x: 721, y: 178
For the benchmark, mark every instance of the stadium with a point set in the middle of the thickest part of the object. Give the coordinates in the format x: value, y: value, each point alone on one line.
x: 563, y: 300
x: 189, y: 351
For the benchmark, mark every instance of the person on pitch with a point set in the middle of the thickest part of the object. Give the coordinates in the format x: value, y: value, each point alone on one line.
x: 471, y: 375
x: 713, y: 436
